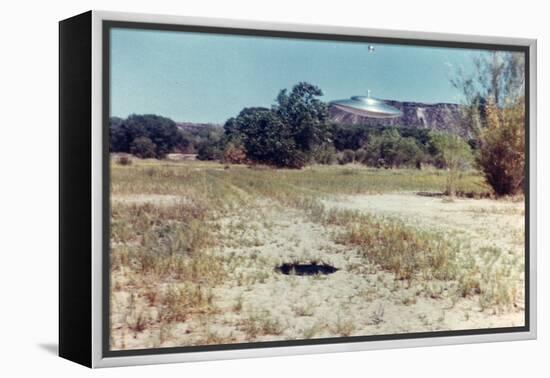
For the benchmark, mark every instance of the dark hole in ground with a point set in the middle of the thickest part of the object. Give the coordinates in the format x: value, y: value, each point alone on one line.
x: 306, y: 269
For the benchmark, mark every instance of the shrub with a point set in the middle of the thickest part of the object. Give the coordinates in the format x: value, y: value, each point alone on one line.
x: 349, y: 137
x: 495, y: 112
x: 161, y: 131
x: 355, y: 137
x: 502, y: 143
x: 346, y: 157
x: 390, y: 149
x: 234, y: 154
x: 361, y: 155
x: 324, y: 154
x: 208, y: 150
x: 124, y: 160
x: 401, y: 249
x: 143, y: 147
x: 453, y: 153
x: 210, y: 143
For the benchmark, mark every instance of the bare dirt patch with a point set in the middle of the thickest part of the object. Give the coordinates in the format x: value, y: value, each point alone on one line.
x: 483, y: 222
x: 257, y: 303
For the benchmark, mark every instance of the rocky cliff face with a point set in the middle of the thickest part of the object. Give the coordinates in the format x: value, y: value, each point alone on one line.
x: 441, y: 117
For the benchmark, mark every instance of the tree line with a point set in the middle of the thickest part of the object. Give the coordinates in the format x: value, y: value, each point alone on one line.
x: 296, y: 131
x: 383, y: 147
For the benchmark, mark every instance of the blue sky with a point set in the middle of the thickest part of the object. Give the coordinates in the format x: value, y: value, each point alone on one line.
x: 199, y: 77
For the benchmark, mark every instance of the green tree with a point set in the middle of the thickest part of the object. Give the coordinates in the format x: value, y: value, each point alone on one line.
x: 143, y: 147
x: 454, y: 154
x: 304, y: 114
x: 211, y: 143
x: 265, y: 138
x: 288, y: 134
x: 349, y: 137
x: 120, y: 136
x: 162, y: 132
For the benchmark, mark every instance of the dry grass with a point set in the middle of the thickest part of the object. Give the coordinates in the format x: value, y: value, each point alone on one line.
x: 406, y: 252
x: 344, y: 327
x: 181, y: 301
x: 163, y: 251
x: 261, y: 323
x: 170, y: 220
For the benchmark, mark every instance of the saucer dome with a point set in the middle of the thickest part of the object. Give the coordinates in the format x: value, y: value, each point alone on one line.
x: 367, y: 106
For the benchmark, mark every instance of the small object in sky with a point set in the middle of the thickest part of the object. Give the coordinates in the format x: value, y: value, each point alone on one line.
x: 371, y: 48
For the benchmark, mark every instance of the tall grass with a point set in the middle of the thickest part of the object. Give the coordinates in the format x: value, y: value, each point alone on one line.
x: 164, y: 250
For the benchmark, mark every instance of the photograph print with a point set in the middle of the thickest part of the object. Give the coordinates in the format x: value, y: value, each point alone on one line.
x: 276, y: 188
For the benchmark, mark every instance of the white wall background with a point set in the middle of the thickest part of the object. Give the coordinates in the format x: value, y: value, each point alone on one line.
x: 28, y: 186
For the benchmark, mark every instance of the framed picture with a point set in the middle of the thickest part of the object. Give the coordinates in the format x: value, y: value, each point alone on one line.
x: 235, y: 189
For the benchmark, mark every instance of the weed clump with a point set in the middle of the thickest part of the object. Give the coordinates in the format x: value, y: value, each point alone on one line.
x: 404, y: 251
x: 124, y: 160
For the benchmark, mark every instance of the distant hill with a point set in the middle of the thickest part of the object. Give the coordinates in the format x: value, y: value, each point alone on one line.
x: 440, y: 116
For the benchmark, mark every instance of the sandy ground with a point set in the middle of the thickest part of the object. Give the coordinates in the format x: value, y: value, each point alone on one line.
x: 481, y: 222
x: 257, y: 303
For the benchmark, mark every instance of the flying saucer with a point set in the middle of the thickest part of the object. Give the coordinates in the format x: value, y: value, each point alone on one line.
x: 367, y: 106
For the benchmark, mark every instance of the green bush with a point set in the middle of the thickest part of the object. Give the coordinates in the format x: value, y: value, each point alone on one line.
x: 361, y: 155
x: 346, y: 157
x: 355, y: 137
x: 209, y: 151
x: 143, y: 147
x: 349, y: 137
x: 390, y: 150
x: 162, y: 132
x: 451, y: 152
x: 211, y: 144
x: 324, y: 154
